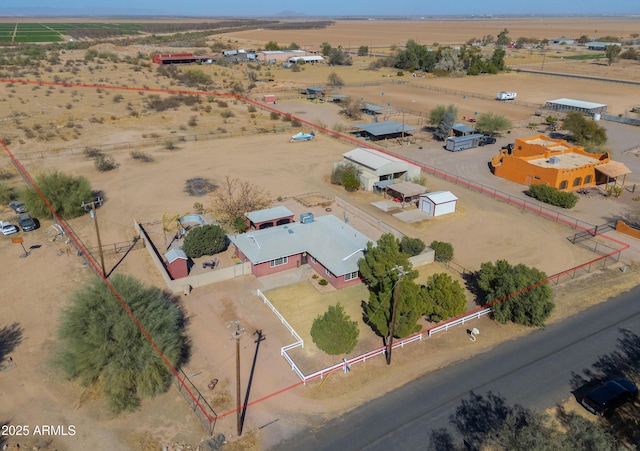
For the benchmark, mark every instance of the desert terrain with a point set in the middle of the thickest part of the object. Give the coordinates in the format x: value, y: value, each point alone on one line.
x: 48, y: 126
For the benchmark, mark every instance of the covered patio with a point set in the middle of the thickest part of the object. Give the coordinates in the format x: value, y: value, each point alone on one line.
x: 611, y: 172
x: 406, y: 192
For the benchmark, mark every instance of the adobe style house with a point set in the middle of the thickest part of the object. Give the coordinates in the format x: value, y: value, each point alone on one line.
x: 556, y: 163
x: 331, y: 247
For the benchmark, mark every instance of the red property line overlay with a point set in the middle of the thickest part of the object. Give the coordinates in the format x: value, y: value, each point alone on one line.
x: 329, y: 132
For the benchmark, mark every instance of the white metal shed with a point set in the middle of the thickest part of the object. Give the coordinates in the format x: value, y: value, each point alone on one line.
x: 438, y: 203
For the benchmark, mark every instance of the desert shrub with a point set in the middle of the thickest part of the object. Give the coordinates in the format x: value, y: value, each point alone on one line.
x: 323, y: 282
x: 222, y: 103
x: 193, y: 121
x: 92, y: 152
x: 411, y: 246
x: 205, y: 240
x: 252, y: 109
x: 106, y: 163
x: 274, y: 116
x: 443, y: 251
x: 296, y: 123
x: 553, y: 196
x: 141, y: 156
x: 347, y: 175
x: 227, y: 114
x: 170, y: 145
x: 7, y: 193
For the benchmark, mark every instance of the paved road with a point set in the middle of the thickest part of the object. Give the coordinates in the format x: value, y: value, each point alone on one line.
x: 534, y: 371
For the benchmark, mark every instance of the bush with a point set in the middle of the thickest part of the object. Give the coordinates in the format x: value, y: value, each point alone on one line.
x: 443, y: 251
x: 227, y: 114
x: 205, y: 240
x: 106, y: 163
x: 334, y: 332
x: 347, y: 175
x: 7, y: 193
x: 553, y: 196
x: 274, y: 116
x: 323, y: 282
x: 411, y: 246
x: 141, y: 156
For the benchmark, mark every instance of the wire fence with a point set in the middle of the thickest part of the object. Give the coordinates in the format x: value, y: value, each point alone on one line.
x: 196, y: 401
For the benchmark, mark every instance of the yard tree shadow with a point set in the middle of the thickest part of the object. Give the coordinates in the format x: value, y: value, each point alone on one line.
x: 10, y: 337
x: 478, y: 416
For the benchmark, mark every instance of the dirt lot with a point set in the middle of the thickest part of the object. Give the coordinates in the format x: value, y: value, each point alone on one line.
x: 64, y: 120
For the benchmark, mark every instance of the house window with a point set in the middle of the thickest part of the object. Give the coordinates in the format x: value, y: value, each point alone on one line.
x: 577, y: 181
x: 351, y: 276
x: 587, y: 179
x: 563, y: 184
x: 279, y: 262
x: 329, y: 273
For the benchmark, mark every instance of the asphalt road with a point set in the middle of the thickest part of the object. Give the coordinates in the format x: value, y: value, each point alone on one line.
x: 534, y: 371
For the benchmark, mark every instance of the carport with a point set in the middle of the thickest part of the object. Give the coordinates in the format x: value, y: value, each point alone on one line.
x: 383, y: 130
x: 405, y: 192
x: 610, y: 172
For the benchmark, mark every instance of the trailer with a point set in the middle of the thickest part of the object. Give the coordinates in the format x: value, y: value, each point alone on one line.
x: 457, y: 143
x: 502, y: 95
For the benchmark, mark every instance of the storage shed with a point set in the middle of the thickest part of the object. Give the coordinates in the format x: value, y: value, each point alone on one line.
x: 177, y: 263
x: 438, y: 203
x: 269, y: 98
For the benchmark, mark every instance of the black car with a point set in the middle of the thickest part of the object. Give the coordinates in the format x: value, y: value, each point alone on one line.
x: 17, y: 206
x: 27, y: 224
x: 486, y: 140
x: 608, y: 396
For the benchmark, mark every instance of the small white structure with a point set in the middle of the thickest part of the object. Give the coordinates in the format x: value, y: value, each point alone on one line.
x: 502, y: 95
x: 437, y: 203
x: 376, y: 166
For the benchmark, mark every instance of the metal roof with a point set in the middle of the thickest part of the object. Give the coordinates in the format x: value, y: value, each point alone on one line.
x: 440, y: 197
x: 175, y: 254
x: 384, y: 128
x: 576, y: 103
x: 335, y: 244
x: 370, y: 158
x: 371, y: 107
x: 407, y: 189
x: 269, y: 214
x: 462, y: 128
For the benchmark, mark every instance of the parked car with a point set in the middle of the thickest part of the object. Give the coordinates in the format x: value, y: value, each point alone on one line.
x: 18, y: 206
x: 610, y: 395
x: 26, y: 222
x: 487, y: 140
x: 8, y: 228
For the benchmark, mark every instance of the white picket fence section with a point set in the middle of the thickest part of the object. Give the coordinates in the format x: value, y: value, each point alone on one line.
x: 346, y: 364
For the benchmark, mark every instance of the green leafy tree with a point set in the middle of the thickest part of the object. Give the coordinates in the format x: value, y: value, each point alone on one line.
x: 383, y: 268
x: 206, y: 240
x: 503, y: 38
x: 611, y: 52
x: 66, y: 194
x: 497, y: 59
x: 444, y: 297
x: 363, y: 50
x: 443, y: 130
x: 334, y: 332
x: 443, y: 251
x: 104, y: 348
x: 411, y: 246
x: 325, y: 48
x: 436, y: 115
x: 585, y: 131
x: 272, y: 45
x: 339, y: 57
x: 524, y: 296
x: 492, y: 123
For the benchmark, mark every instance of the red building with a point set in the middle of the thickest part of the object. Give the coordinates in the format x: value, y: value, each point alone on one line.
x: 177, y: 263
x: 331, y: 247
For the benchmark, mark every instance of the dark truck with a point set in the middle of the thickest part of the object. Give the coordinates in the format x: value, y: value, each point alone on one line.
x: 457, y: 143
x: 608, y: 396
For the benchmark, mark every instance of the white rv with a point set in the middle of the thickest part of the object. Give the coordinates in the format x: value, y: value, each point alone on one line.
x: 506, y: 95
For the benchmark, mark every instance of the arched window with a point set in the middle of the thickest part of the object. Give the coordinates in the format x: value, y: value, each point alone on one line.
x: 577, y: 181
x: 587, y: 179
x: 563, y: 184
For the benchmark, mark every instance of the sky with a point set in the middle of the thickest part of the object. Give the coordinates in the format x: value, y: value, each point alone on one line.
x: 253, y: 8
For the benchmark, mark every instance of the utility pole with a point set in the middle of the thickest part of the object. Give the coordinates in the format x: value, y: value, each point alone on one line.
x: 394, y: 313
x: 94, y: 215
x: 235, y: 335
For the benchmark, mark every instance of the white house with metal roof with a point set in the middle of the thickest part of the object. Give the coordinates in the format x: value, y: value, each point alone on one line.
x: 331, y: 247
x: 376, y: 166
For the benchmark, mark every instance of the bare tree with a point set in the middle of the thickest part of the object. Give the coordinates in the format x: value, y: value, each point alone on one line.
x: 352, y: 107
x: 236, y: 197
